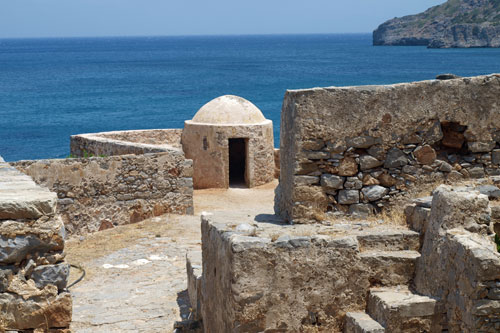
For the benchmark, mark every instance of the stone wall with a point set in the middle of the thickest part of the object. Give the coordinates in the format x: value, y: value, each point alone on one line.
x: 353, y: 149
x: 264, y: 277
x: 460, y: 265
x: 125, y: 142
x: 33, y: 274
x: 98, y: 193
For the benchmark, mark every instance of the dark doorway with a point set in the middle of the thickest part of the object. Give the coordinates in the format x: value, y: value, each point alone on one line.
x: 237, y: 162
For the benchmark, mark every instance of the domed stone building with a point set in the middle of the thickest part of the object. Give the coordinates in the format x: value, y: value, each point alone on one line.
x: 231, y: 143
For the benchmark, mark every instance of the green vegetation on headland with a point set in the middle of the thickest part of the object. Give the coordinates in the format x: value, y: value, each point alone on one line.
x: 456, y: 23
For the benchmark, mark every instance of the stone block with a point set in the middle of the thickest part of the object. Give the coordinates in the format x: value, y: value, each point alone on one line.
x: 360, y: 322
x: 348, y: 197
x: 56, y: 275
x: 362, y: 141
x: 332, y: 182
x: 495, y: 156
x: 481, y: 147
x: 361, y: 210
x: 19, y: 239
x: 425, y: 155
x: 389, y: 240
x: 348, y: 167
x: 49, y: 311
x: 390, y: 268
x: 399, y: 310
x: 395, y: 158
x: 374, y: 192
x: 367, y: 162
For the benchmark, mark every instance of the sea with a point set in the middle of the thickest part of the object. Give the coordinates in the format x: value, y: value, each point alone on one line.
x: 53, y: 88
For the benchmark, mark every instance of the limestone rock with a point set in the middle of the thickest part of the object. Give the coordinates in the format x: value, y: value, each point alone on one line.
x: 369, y: 180
x: 348, y: 167
x: 425, y: 155
x: 361, y: 141
x: 396, y: 158
x: 51, y: 274
x: 492, y: 191
x: 481, y: 147
x: 348, y: 197
x: 353, y: 183
x: 332, y: 181
x: 375, y: 192
x: 361, y: 210
x: 369, y: 162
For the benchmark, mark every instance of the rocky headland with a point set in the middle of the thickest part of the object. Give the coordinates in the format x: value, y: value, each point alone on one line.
x: 454, y: 24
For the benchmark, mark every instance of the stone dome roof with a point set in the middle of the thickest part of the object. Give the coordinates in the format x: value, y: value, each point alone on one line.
x: 229, y: 109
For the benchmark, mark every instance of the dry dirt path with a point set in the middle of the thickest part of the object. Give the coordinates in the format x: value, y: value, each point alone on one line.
x: 136, y: 276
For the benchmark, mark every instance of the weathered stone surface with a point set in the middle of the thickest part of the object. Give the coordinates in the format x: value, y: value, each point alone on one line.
x: 336, y: 114
x: 361, y: 141
x: 306, y: 180
x: 466, y: 259
x: 402, y: 311
x: 360, y: 322
x: 54, y: 311
x: 123, y: 189
x: 332, y: 181
x: 361, y: 210
x: 20, y: 239
x: 387, y: 180
x: 481, y: 147
x: 391, y: 268
x: 21, y: 198
x: 374, y: 192
x: 369, y: 180
x: 348, y: 197
x: 369, y: 162
x: 492, y: 191
x: 495, y: 156
x: 395, y: 159
x: 377, y: 151
x: 194, y: 275
x: 239, y: 292
x: 51, y: 274
x: 389, y: 240
x: 353, y: 183
x: 6, y: 273
x: 425, y: 155
x: 348, y: 167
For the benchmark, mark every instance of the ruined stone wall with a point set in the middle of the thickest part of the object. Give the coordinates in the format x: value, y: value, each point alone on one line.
x: 33, y: 274
x: 98, y: 193
x: 125, y: 142
x: 352, y: 149
x: 259, y: 277
x: 460, y: 265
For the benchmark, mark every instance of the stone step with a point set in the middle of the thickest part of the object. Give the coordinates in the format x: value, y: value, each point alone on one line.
x: 400, y: 310
x: 194, y: 270
x: 361, y: 322
x: 21, y: 197
x: 389, y: 240
x: 390, y: 268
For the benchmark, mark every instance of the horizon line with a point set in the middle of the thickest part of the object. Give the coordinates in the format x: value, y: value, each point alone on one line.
x: 191, y: 35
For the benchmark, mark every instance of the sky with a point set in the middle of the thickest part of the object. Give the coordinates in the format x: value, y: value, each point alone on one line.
x: 93, y: 18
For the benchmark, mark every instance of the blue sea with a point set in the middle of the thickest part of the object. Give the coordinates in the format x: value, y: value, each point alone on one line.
x: 53, y: 88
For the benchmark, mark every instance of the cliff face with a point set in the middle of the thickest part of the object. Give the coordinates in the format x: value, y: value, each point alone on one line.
x: 456, y: 23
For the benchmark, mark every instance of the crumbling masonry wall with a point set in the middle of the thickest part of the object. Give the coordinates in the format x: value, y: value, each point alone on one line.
x: 352, y: 149
x: 98, y: 193
x: 460, y: 265
x: 33, y: 274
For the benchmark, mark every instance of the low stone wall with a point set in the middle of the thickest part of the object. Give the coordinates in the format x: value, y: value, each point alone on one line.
x: 98, y: 193
x: 125, y: 142
x: 353, y: 149
x: 33, y: 274
x: 263, y: 277
x: 456, y: 241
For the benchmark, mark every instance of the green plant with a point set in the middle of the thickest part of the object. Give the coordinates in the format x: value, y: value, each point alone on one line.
x: 497, y: 240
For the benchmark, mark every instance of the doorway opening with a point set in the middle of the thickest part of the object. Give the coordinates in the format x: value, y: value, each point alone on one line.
x: 237, y: 162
